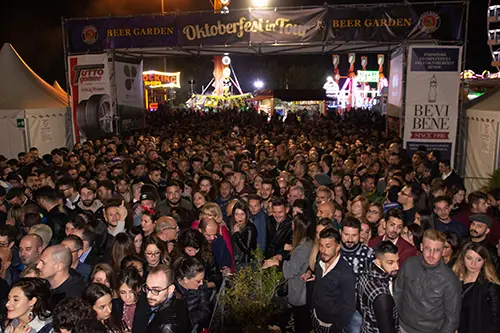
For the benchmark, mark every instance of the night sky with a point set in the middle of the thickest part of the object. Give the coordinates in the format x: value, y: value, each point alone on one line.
x: 34, y: 29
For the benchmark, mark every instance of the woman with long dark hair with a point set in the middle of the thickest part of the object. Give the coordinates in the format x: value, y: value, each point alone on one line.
x: 244, y: 235
x: 104, y: 274
x: 154, y: 250
x: 128, y: 286
x: 189, y: 281
x: 121, y: 247
x: 27, y: 307
x: 100, y: 299
x: 481, y: 290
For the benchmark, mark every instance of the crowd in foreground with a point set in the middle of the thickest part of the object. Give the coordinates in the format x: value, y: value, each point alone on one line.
x: 137, y: 233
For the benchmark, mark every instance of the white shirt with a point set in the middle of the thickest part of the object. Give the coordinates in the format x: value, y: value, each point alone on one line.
x: 446, y: 175
x: 120, y: 227
x: 332, y: 266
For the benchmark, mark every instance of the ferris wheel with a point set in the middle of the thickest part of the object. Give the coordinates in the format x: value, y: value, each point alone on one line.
x: 494, y: 32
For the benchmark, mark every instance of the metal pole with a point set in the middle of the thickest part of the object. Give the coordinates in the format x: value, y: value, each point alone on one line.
x: 71, y: 142
x: 162, y: 6
x: 462, y: 123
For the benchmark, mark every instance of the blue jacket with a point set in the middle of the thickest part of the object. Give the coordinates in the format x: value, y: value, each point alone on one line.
x: 221, y: 253
x: 260, y: 222
x: 84, y: 270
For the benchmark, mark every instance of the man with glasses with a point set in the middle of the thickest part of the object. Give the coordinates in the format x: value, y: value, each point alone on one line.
x: 158, y: 308
x: 428, y: 294
x: 75, y: 245
x: 407, y: 197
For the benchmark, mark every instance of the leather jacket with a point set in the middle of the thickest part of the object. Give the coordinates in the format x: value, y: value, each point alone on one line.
x: 277, y: 236
x: 428, y: 298
x: 246, y: 242
x: 480, y: 307
x: 171, y: 316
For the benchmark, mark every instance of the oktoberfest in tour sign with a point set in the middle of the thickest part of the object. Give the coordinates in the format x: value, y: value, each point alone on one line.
x: 392, y: 23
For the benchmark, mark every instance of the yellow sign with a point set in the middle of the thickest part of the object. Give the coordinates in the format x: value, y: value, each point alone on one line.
x: 155, y: 79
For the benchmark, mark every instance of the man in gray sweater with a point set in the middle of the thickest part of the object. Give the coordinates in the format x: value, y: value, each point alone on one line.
x: 427, y: 292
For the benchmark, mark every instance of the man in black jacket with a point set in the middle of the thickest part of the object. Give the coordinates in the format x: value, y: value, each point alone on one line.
x: 56, y: 215
x: 374, y: 291
x: 279, y: 230
x: 334, y: 298
x: 160, y: 309
x: 54, y: 266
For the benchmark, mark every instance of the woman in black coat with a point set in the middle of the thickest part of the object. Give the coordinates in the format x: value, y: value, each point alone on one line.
x: 189, y: 281
x: 481, y: 290
x: 244, y: 235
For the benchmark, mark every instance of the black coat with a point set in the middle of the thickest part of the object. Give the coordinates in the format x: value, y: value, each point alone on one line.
x: 278, y: 236
x: 198, y: 304
x: 480, y: 307
x: 56, y: 220
x: 170, y: 317
x: 245, y: 242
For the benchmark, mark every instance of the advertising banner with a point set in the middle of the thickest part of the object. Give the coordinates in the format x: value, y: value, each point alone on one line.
x: 395, y: 94
x: 98, y: 34
x: 396, y: 23
x: 256, y: 26
x: 130, y: 93
x: 432, y: 98
x: 90, y: 90
x: 392, y: 23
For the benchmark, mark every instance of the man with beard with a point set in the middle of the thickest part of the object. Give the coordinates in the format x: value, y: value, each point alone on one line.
x: 266, y: 192
x: 67, y: 187
x: 480, y: 227
x: 333, y: 301
x: 394, y: 226
x: 358, y: 255
x: 159, y: 309
x: 89, y: 203
x: 374, y: 291
x: 174, y: 202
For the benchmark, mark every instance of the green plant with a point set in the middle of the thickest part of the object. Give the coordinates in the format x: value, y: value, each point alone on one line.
x: 494, y: 181
x: 248, y: 301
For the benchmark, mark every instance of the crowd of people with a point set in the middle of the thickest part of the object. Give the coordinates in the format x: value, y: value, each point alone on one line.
x: 137, y: 233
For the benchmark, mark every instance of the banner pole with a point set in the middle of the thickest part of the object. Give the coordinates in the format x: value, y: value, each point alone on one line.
x: 71, y: 140
x: 462, y: 123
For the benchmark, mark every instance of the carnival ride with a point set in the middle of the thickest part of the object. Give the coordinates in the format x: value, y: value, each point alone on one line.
x: 493, y: 21
x: 361, y: 89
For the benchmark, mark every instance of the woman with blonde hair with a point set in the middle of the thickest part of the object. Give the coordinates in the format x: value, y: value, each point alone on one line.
x: 481, y: 290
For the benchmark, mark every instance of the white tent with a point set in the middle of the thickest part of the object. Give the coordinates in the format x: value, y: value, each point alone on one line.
x: 482, y: 154
x: 32, y: 112
x: 58, y: 87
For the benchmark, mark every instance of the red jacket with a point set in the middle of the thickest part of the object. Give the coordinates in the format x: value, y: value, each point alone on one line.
x: 405, y: 249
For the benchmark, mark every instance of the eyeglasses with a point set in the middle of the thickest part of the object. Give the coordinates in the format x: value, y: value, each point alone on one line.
x: 154, y: 292
x: 170, y: 228
x: 76, y: 250
x: 373, y: 212
x: 152, y: 254
x: 405, y: 194
x: 433, y: 251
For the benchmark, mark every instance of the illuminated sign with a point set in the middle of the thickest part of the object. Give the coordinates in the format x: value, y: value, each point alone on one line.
x: 155, y: 79
x: 367, y: 76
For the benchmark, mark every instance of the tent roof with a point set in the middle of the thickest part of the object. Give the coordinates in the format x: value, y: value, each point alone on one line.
x: 490, y: 101
x: 58, y: 87
x: 21, y: 88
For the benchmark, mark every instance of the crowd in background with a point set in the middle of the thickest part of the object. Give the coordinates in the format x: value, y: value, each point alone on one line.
x: 137, y: 233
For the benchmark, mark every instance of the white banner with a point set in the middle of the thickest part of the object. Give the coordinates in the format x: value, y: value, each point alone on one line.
x: 129, y: 87
x: 432, y: 98
x: 93, y: 109
x: 395, y: 94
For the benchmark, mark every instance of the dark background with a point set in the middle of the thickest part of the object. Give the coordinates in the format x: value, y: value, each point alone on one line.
x: 34, y: 29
